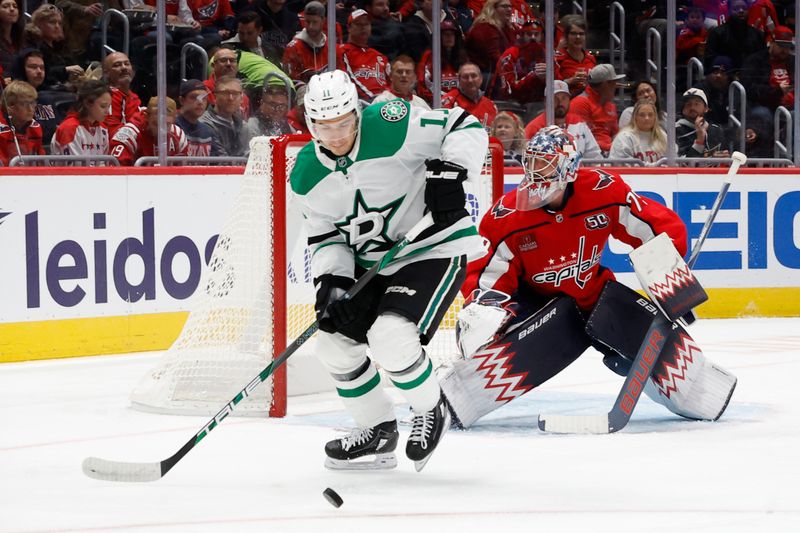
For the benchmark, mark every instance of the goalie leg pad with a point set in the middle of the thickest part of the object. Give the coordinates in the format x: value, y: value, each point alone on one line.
x: 533, y: 351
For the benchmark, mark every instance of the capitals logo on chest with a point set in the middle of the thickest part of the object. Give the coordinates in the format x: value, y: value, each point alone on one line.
x: 577, y: 267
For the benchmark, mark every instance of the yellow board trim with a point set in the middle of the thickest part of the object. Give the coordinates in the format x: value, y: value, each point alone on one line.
x: 53, y: 339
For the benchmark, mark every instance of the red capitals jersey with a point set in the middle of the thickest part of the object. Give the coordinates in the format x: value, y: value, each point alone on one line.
x: 301, y: 60
x: 123, y: 108
x: 209, y: 12
x: 567, y: 66
x: 514, y: 77
x: 368, y: 68
x: 484, y: 109
x: 425, y: 76
x: 28, y: 141
x: 558, y: 252
x: 133, y: 140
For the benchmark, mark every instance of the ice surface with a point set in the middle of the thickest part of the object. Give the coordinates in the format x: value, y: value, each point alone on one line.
x: 659, y: 474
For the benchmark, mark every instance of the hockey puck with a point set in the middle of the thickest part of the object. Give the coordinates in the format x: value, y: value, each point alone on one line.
x: 332, y: 497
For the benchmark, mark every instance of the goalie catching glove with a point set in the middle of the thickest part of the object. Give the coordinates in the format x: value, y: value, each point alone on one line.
x: 481, y: 320
x: 444, y: 191
x: 333, y: 312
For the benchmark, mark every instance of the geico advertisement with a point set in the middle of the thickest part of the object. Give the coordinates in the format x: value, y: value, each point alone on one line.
x: 88, y: 246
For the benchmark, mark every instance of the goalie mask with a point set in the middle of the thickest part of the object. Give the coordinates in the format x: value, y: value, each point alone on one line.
x: 551, y: 161
x: 331, y: 96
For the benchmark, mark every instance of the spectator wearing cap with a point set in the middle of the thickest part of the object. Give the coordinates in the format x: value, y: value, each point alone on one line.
x: 768, y: 75
x: 691, y: 41
x: 521, y: 70
x: 280, y: 26
x: 596, y: 105
x: 270, y: 119
x: 418, y: 29
x: 695, y: 136
x: 194, y: 102
x: 715, y: 85
x: 225, y: 120
x: 643, y: 90
x: 453, y: 56
x: 735, y: 38
x: 387, y: 35
x: 307, y: 53
x: 367, y: 67
x: 584, y: 138
x: 574, y: 61
x: 490, y: 35
x: 468, y: 95
x: 248, y: 33
x: 139, y: 137
x: 402, y: 79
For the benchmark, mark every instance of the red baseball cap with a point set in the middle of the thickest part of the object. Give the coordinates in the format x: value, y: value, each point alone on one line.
x: 783, y: 36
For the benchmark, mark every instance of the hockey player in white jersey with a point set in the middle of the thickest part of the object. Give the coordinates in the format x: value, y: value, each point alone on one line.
x: 367, y: 178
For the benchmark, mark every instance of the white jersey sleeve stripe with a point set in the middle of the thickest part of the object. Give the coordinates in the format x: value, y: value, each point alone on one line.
x: 497, y: 267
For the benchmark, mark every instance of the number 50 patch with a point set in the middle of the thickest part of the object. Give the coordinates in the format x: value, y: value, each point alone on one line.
x: 598, y: 221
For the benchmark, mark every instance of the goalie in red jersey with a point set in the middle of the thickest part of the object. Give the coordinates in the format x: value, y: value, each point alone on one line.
x: 540, y: 296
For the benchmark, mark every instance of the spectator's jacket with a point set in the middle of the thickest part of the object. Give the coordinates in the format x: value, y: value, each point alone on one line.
x: 200, y: 138
x: 29, y: 139
x: 213, y: 13
x: 483, y: 109
x: 389, y: 94
x: 123, y: 108
x: 685, y: 135
x: 602, y: 119
x: 211, y: 84
x: 387, y: 37
x: 231, y: 135
x: 303, y: 58
x: 762, y: 16
x: 566, y: 66
x: 485, y: 43
x: 425, y: 77
x: 690, y: 43
x: 514, y: 77
x: 630, y: 143
x: 761, y: 77
x: 133, y: 140
x: 368, y: 68
x: 417, y: 35
x: 77, y: 137
x: 297, y: 121
x: 734, y: 39
x: 279, y: 28
x: 520, y: 10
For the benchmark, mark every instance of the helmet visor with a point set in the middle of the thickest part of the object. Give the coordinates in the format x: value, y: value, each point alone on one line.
x: 336, y: 131
x: 541, y: 182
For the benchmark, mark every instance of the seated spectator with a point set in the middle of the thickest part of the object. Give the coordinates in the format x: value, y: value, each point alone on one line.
x: 200, y: 138
x: 253, y: 69
x: 225, y: 63
x: 270, y: 119
x: 296, y: 117
x: 12, y: 33
x: 401, y: 83
x: 762, y: 16
x: 280, y: 26
x: 83, y: 132
x: 644, y: 138
x: 225, y: 120
x: 768, y: 75
x: 460, y: 12
x: 125, y: 104
x: 307, y: 53
x: 490, y: 35
x: 735, y: 38
x: 596, y: 106
x: 248, y: 33
x: 695, y: 136
x: 507, y: 128
x: 29, y: 66
x: 468, y: 95
x: 521, y: 10
x: 584, y: 139
x: 521, y: 70
x: 643, y: 90
x: 715, y: 85
x: 691, y: 41
x: 453, y: 55
x: 81, y: 21
x: 574, y: 61
x: 20, y: 134
x: 46, y: 32
x: 139, y: 137
x: 367, y: 67
x: 387, y: 35
x: 418, y: 29
x: 216, y: 19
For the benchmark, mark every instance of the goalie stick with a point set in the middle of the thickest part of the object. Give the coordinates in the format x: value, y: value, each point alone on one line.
x: 647, y: 356
x: 107, y: 470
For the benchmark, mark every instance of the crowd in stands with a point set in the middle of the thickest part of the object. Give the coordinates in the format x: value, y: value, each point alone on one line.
x: 62, y: 95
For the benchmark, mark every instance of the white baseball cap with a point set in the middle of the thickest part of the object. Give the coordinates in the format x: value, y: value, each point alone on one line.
x: 694, y: 91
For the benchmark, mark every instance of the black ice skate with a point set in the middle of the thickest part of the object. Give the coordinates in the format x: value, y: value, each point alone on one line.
x: 376, y: 445
x: 427, y: 430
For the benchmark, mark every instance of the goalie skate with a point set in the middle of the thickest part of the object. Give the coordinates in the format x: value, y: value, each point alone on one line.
x: 364, y: 449
x: 427, y: 430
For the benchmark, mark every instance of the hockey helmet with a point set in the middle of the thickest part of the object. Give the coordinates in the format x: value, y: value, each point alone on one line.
x: 551, y: 161
x: 330, y: 95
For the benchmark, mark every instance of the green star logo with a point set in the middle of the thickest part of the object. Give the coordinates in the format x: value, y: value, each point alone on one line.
x: 393, y: 111
x: 366, y: 229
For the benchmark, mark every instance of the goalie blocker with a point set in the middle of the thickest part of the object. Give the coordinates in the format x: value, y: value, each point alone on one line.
x: 539, y: 347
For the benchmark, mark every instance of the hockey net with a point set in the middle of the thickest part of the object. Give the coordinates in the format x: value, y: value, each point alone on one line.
x: 257, y: 296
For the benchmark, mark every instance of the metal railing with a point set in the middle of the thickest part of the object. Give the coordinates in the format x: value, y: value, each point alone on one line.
x: 616, y: 45
x: 741, y: 121
x: 286, y: 82
x: 652, y: 45
x: 109, y: 14
x: 194, y: 48
x: 694, y: 65
x: 761, y: 162
x: 783, y: 148
x: 149, y: 161
x: 48, y: 160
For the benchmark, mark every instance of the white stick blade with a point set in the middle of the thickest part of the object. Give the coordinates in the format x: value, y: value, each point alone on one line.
x: 104, y: 470
x: 587, y: 424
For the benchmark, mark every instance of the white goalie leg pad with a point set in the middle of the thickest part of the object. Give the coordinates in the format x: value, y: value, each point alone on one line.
x: 688, y: 384
x: 466, y: 393
x: 478, y: 325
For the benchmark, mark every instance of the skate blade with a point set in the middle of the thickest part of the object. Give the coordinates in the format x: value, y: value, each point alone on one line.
x: 381, y: 461
x: 419, y: 465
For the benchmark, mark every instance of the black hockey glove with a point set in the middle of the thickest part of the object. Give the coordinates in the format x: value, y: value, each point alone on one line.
x: 333, y: 313
x: 444, y: 191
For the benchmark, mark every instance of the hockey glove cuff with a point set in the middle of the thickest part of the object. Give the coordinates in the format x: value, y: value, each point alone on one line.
x: 333, y: 312
x: 444, y: 190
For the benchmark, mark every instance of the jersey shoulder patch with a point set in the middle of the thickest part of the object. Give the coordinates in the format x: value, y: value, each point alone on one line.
x: 307, y: 171
x: 384, y: 128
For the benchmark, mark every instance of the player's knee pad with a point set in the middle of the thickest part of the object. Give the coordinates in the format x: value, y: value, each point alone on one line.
x: 394, y: 342
x: 339, y: 354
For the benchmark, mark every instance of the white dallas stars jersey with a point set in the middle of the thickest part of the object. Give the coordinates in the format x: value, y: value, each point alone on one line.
x: 357, y: 206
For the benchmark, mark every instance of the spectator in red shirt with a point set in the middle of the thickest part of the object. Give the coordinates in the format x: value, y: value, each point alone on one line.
x: 768, y: 75
x: 20, y: 134
x: 574, y: 62
x: 762, y: 16
x: 469, y: 96
x: 401, y: 83
x: 521, y: 70
x: 453, y: 55
x: 139, y: 137
x: 307, y: 53
x: 596, y: 106
x: 691, y: 41
x: 490, y: 35
x: 367, y: 67
x: 125, y: 103
x: 215, y: 17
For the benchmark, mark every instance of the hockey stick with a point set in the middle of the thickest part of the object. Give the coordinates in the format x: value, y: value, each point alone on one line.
x: 106, y: 470
x: 647, y: 356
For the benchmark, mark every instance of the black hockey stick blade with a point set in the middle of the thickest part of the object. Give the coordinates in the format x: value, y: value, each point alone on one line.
x: 620, y: 414
x: 106, y: 470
